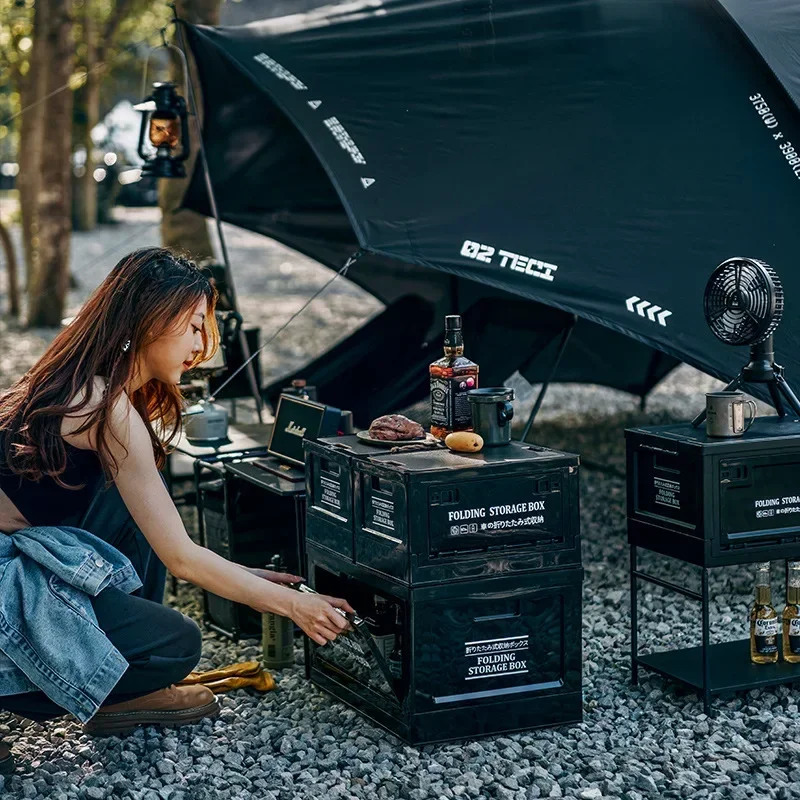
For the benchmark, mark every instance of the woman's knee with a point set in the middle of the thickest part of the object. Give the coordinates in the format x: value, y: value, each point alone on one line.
x: 149, y: 635
x: 187, y: 642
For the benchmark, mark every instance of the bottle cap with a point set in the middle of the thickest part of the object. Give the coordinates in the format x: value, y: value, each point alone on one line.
x: 452, y: 331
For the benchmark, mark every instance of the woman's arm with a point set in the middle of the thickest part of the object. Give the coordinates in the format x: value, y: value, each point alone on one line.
x: 152, y: 509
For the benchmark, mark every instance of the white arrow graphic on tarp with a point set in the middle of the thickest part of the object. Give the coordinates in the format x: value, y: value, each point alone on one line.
x: 367, y: 182
x: 640, y: 307
x: 648, y: 310
x: 652, y: 311
x: 315, y: 104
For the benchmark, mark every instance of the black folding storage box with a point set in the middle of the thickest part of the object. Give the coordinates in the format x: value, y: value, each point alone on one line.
x: 712, y: 501
x: 467, y: 569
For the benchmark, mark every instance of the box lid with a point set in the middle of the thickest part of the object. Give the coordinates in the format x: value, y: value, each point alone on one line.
x: 764, y: 429
x: 440, y: 458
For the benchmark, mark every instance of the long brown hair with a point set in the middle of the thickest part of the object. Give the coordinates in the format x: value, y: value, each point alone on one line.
x: 145, y: 296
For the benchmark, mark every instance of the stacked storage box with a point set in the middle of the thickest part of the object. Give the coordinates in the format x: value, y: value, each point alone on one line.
x: 468, y: 570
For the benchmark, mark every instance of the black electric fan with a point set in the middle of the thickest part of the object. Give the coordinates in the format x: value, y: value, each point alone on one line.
x: 743, y: 304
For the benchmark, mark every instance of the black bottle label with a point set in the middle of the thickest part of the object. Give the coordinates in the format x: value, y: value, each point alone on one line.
x: 440, y: 396
x: 766, y: 636
x: 450, y: 402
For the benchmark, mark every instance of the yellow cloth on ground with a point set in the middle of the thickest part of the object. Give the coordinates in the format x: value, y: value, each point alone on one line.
x: 247, y: 675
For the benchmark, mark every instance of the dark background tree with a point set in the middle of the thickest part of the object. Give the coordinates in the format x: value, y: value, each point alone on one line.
x: 48, y: 289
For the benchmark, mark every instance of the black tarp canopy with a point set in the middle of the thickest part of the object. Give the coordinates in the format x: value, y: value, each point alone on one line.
x: 596, y: 157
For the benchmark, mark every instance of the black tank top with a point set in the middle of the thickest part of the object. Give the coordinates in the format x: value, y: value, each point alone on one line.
x: 44, y: 502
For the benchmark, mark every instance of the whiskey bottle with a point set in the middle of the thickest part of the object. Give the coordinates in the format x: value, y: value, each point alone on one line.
x: 764, y: 627
x: 381, y: 626
x: 451, y: 378
x: 396, y: 656
x: 791, y: 615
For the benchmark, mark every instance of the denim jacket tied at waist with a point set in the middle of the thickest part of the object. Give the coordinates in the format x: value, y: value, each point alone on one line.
x: 49, y: 637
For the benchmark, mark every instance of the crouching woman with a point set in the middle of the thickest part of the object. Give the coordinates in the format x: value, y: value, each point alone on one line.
x: 90, y: 528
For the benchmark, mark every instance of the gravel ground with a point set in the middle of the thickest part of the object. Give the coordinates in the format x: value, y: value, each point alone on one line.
x: 644, y: 742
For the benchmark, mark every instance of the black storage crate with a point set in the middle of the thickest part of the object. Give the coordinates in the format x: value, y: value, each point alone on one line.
x: 471, y: 658
x: 248, y: 515
x: 427, y: 516
x: 713, y: 501
x: 329, y: 491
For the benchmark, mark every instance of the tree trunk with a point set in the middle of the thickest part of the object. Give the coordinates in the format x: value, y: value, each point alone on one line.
x: 187, y: 231
x: 86, y: 185
x: 11, y: 267
x: 47, y: 300
x: 31, y: 139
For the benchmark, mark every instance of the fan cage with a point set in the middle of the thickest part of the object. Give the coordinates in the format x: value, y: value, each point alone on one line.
x: 756, y: 319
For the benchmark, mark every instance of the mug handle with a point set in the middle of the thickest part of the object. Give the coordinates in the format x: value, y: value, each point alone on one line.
x: 505, y: 412
x: 752, y: 406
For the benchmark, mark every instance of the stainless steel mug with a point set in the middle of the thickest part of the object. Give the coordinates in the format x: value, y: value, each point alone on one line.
x: 492, y: 413
x: 725, y: 413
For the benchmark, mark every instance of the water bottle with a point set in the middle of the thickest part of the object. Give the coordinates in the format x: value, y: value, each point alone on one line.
x: 277, y: 633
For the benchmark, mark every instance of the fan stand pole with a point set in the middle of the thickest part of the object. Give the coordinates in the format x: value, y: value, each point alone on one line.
x: 788, y: 394
x: 763, y: 369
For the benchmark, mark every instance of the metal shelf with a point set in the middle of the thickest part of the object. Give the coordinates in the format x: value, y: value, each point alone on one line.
x: 730, y: 668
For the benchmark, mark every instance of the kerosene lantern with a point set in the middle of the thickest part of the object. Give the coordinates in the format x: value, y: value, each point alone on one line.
x: 164, y: 122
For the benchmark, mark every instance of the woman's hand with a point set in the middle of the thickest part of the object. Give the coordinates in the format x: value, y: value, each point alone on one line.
x: 317, y: 616
x: 275, y: 577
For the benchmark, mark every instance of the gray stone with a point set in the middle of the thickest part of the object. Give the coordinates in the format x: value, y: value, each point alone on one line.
x: 646, y: 783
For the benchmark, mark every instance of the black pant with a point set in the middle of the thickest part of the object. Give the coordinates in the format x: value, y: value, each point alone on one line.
x: 161, y: 645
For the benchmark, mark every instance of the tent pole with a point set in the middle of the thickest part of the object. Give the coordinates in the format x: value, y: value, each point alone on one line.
x: 251, y: 375
x: 546, y: 385
x: 655, y: 360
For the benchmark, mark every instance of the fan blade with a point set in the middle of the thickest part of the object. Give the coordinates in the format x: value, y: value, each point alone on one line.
x: 755, y: 320
x: 718, y: 315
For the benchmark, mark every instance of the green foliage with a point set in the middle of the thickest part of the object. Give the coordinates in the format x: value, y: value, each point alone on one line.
x: 16, y: 28
x: 124, y: 29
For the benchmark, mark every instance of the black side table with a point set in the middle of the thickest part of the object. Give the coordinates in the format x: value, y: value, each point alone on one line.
x: 247, y: 514
x: 711, y: 669
x: 712, y: 502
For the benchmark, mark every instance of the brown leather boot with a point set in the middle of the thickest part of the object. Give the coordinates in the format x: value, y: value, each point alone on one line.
x: 6, y: 760
x: 168, y: 708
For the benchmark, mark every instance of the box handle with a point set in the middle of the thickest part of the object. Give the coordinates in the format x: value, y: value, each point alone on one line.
x: 382, y: 486
x: 493, y: 617
x: 331, y: 467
